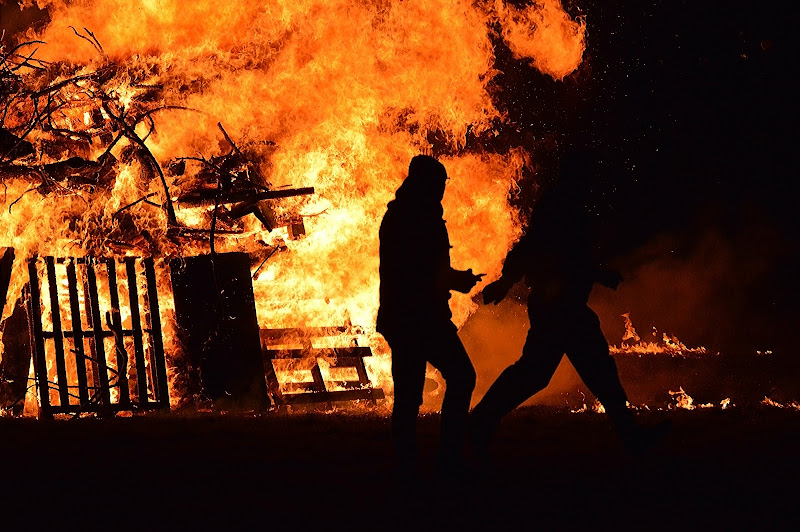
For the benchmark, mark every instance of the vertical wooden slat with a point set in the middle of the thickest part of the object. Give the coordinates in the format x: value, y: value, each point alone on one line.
x: 96, y: 325
x: 35, y: 325
x: 94, y: 386
x: 136, y: 327
x: 116, y: 325
x: 58, y: 334
x: 160, y: 370
x: 77, y: 333
x: 273, y: 384
x: 319, y: 382
x: 363, y: 378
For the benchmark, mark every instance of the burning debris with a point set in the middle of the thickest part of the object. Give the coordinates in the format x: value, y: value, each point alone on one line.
x: 670, y: 345
x: 83, y: 139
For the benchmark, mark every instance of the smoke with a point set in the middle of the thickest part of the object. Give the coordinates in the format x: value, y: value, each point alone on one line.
x: 703, y: 288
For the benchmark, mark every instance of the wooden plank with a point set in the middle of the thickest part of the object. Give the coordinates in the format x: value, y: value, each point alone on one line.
x: 96, y: 324
x: 277, y: 335
x: 16, y: 359
x: 58, y: 336
x: 333, y: 396
x: 121, y: 355
x: 325, y: 352
x: 82, y: 334
x: 208, y: 197
x: 6, y: 266
x: 137, y: 333
x: 77, y: 333
x: 158, y: 360
x: 35, y: 329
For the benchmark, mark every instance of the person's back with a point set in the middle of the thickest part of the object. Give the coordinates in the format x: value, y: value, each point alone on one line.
x: 555, y: 256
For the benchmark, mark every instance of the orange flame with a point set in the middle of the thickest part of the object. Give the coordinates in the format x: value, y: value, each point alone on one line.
x: 338, y: 95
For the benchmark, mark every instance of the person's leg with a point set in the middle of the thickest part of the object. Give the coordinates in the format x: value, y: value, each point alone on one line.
x: 447, y: 354
x: 408, y: 374
x: 530, y: 374
x: 588, y: 352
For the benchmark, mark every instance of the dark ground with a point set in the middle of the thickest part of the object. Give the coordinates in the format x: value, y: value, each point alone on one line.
x: 718, y: 470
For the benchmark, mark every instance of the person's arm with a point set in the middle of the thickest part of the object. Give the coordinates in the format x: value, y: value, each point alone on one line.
x: 463, y: 280
x: 513, y: 270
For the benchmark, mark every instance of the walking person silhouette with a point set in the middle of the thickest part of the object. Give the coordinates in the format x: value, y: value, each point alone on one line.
x: 556, y: 258
x: 414, y: 314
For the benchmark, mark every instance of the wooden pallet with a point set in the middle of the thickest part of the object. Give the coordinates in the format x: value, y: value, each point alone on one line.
x: 295, y: 344
x: 86, y: 364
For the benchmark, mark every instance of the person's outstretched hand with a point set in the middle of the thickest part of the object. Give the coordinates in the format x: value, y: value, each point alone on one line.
x: 466, y: 280
x: 495, y: 292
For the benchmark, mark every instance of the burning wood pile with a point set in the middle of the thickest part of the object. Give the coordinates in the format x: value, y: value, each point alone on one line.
x: 59, y: 132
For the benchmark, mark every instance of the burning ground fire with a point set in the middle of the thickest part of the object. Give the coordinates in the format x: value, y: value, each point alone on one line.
x: 669, y: 345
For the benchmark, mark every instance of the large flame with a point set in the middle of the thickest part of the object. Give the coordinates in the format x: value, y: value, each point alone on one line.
x: 334, y: 94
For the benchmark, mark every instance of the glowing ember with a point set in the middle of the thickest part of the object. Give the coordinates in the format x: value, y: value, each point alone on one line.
x: 794, y: 405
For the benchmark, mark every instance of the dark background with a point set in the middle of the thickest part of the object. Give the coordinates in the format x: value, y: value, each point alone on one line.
x: 690, y: 108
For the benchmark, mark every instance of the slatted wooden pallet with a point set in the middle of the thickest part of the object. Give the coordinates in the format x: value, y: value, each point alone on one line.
x: 295, y: 344
x: 87, y: 361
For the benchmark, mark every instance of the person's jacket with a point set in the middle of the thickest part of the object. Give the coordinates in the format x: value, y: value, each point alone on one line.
x: 555, y: 256
x: 415, y: 272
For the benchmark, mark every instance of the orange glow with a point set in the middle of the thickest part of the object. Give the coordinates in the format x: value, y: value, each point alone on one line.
x: 335, y: 95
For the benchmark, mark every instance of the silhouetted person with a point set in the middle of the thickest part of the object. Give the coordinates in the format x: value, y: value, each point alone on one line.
x: 557, y: 260
x: 414, y: 314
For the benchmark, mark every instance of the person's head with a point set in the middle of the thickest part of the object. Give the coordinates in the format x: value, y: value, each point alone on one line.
x: 425, y: 182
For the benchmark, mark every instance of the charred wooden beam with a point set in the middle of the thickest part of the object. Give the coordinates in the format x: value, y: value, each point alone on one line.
x: 32, y: 296
x: 58, y: 336
x: 207, y: 197
x: 19, y: 147
x: 77, y: 330
x: 115, y: 324
x: 152, y: 320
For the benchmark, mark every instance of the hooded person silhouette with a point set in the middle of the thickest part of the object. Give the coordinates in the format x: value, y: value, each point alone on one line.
x: 414, y: 314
